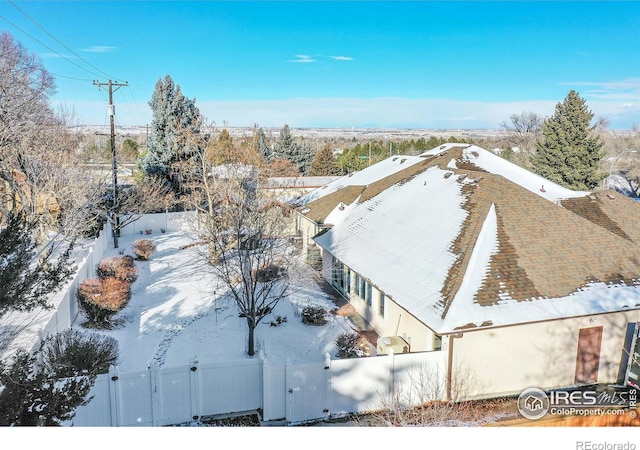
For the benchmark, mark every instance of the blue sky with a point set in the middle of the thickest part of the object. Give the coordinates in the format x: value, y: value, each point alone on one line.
x: 416, y: 64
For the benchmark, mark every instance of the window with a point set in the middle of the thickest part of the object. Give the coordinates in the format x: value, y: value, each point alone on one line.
x: 369, y: 294
x: 437, y: 342
x: 357, y: 284
x: 348, y: 280
x: 381, y: 300
x: 363, y: 288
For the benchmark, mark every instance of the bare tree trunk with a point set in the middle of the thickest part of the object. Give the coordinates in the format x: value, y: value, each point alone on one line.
x: 250, y: 339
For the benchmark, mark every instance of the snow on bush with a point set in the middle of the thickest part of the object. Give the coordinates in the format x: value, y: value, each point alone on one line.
x: 143, y: 249
x: 122, y: 268
x: 101, y: 298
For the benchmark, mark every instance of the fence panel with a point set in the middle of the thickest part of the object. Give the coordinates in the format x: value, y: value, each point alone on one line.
x: 359, y: 384
x: 134, y: 399
x: 228, y: 387
x: 175, y: 387
x: 274, y: 391
x: 419, y: 377
x: 307, y: 392
x: 98, y: 412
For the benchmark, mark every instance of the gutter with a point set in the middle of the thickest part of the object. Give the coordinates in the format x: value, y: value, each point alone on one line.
x: 449, y: 378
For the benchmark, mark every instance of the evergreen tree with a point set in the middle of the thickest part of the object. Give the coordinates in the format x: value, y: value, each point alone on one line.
x: 262, y: 145
x: 302, y: 156
x: 299, y: 153
x: 324, y: 163
x: 570, y: 153
x: 171, y: 146
x: 26, y: 281
x: 285, y: 145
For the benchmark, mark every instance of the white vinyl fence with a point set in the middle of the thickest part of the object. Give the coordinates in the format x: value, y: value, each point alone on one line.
x: 156, y: 223
x: 23, y: 330
x: 287, y: 393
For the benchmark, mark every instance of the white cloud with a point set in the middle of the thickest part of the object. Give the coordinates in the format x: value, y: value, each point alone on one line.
x: 342, y: 58
x: 98, y: 49
x: 383, y: 112
x: 302, y: 59
x: 628, y: 89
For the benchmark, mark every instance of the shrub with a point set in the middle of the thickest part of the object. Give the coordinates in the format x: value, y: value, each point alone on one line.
x: 32, y: 395
x: 122, y: 268
x: 102, y: 298
x: 269, y: 272
x: 74, y: 352
x: 348, y: 344
x: 313, y: 315
x: 279, y: 320
x: 143, y: 249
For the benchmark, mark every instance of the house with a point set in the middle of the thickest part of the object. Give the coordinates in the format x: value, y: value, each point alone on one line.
x: 289, y: 188
x: 522, y: 282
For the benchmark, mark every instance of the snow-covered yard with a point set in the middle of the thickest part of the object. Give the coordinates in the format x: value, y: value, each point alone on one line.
x: 176, y: 313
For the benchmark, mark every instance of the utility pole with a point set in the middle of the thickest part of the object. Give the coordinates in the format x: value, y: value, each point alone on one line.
x: 111, y: 110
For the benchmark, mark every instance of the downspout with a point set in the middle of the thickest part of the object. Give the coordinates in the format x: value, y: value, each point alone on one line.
x: 450, y: 363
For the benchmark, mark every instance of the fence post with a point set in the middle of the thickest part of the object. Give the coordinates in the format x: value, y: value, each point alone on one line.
x: 327, y: 386
x: 114, y: 393
x: 153, y: 377
x: 288, y: 389
x: 392, y: 375
x: 194, y: 388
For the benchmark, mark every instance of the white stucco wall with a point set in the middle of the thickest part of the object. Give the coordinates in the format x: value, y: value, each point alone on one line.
x: 508, y: 360
x: 395, y: 321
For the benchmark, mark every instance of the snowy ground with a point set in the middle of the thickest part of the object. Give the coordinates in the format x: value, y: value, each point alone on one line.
x: 174, y: 314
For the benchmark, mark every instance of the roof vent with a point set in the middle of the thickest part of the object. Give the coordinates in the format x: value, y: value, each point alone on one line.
x: 443, y: 147
x: 403, y: 160
x: 542, y: 189
x: 611, y: 197
x: 447, y: 175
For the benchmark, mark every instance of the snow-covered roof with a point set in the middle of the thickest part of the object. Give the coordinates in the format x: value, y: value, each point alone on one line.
x: 469, y: 240
x: 362, y: 177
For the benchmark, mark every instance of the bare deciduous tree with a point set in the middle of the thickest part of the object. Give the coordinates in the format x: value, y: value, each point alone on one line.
x: 524, y: 130
x: 245, y: 231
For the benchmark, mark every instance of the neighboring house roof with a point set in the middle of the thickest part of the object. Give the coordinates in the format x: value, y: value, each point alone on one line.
x: 299, y: 182
x: 462, y: 238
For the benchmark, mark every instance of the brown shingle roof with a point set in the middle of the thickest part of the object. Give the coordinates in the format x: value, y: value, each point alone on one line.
x: 544, y: 249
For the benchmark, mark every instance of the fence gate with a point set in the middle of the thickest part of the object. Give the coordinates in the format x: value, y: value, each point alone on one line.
x: 307, y: 392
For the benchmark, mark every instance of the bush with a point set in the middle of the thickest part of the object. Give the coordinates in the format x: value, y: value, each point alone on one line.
x: 31, y: 395
x: 348, y: 344
x: 313, y: 315
x: 122, y: 268
x: 101, y: 298
x: 73, y: 352
x: 143, y: 249
x: 269, y: 273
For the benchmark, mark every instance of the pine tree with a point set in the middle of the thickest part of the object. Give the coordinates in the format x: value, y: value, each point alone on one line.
x: 299, y: 153
x: 324, y: 164
x: 570, y: 153
x: 26, y: 281
x: 171, y: 146
x: 261, y: 144
x: 285, y: 145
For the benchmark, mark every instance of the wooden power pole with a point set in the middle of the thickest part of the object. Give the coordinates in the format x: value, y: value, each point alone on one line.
x: 111, y: 110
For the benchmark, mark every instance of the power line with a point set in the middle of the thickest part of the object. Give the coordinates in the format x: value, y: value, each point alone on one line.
x: 45, y: 46
x: 58, y: 41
